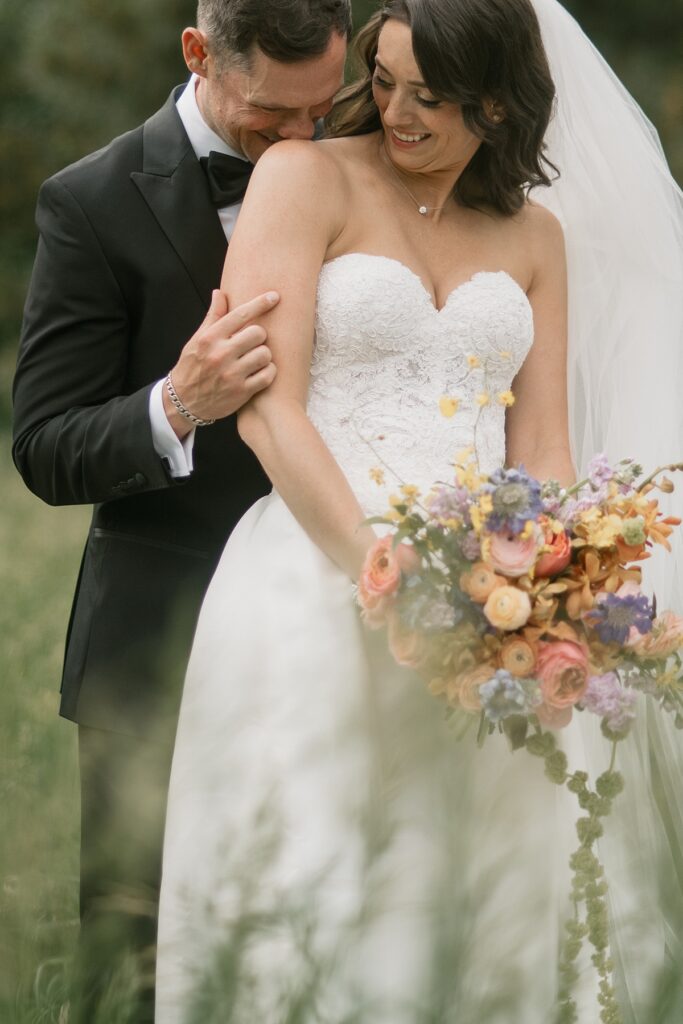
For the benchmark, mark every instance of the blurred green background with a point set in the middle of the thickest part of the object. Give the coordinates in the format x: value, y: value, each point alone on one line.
x: 74, y: 74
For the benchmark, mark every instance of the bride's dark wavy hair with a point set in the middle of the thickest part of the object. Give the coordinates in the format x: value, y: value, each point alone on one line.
x: 473, y: 53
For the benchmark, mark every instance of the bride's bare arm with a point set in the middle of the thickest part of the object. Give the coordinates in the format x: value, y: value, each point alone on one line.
x: 293, y: 210
x: 537, y: 431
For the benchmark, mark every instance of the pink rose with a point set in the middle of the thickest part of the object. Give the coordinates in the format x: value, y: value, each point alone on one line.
x: 512, y: 556
x: 562, y: 669
x: 558, y: 557
x: 664, y: 639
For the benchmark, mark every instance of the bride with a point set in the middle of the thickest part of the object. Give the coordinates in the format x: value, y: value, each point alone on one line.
x: 332, y: 852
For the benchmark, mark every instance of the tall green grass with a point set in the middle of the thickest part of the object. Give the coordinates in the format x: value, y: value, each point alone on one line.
x: 39, y: 554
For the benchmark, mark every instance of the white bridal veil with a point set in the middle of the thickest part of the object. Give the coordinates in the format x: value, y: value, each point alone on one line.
x: 622, y: 215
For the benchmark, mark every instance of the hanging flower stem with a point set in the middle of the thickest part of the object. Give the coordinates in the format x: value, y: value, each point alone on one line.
x: 588, y: 887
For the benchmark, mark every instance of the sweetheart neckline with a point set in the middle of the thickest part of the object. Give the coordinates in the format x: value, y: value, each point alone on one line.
x: 425, y: 290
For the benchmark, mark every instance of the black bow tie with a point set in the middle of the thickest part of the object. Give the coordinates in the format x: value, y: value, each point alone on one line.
x: 228, y: 177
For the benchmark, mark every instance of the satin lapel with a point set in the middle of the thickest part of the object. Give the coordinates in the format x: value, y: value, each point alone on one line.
x: 174, y: 187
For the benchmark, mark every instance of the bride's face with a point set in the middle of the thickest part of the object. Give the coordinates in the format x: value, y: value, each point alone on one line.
x: 422, y: 133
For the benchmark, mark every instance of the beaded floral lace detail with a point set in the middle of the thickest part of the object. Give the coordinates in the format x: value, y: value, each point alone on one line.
x: 384, y: 356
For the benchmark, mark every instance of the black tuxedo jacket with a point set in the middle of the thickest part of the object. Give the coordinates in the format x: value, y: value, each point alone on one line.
x: 129, y: 250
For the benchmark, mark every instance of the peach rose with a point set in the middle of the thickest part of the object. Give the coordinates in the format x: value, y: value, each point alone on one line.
x: 480, y: 581
x: 405, y: 644
x: 559, y: 555
x: 512, y: 556
x: 517, y: 656
x: 508, y: 608
x: 562, y: 670
x: 665, y: 638
x: 381, y: 573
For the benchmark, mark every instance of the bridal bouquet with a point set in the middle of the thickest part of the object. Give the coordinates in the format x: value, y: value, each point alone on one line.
x: 519, y: 603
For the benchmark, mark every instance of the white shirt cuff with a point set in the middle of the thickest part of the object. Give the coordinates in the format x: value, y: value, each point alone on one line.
x: 176, y: 454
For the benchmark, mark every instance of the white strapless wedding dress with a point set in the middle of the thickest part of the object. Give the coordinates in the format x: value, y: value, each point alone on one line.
x: 333, y: 852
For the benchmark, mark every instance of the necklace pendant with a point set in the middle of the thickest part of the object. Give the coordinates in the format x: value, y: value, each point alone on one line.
x: 422, y: 210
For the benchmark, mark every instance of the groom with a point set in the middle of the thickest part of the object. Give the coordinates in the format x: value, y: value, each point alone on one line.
x: 132, y: 242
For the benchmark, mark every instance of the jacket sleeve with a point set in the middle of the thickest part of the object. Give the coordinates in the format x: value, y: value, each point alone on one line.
x: 78, y: 436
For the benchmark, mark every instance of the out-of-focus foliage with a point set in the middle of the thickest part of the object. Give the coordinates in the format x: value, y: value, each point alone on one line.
x: 77, y: 72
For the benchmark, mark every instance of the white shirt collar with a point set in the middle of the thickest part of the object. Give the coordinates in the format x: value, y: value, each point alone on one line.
x: 202, y: 138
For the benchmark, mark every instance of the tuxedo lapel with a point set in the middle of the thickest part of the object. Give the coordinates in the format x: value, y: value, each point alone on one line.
x: 174, y: 186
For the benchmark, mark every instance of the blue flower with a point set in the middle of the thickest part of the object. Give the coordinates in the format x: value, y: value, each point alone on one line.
x: 516, y: 498
x: 613, y: 617
x: 502, y: 696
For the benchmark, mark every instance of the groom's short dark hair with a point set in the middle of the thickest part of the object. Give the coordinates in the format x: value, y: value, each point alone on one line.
x: 285, y: 30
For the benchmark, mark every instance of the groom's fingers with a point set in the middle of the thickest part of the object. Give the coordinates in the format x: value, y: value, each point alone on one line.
x: 223, y: 364
x: 235, y: 319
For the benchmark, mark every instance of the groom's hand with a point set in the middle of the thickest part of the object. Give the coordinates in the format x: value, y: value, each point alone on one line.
x: 224, y: 363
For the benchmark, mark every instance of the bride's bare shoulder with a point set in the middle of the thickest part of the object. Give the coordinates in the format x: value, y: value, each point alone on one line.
x: 540, y: 224
x: 300, y: 164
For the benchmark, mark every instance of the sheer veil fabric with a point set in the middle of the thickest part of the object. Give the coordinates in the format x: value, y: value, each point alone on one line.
x: 622, y: 215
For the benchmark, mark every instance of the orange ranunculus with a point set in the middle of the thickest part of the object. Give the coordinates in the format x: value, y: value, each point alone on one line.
x: 464, y: 690
x: 562, y: 670
x: 375, y: 610
x: 480, y: 581
x: 508, y: 608
x: 559, y: 554
x: 406, y: 645
x: 517, y: 656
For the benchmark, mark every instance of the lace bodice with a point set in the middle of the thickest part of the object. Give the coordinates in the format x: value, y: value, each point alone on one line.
x: 384, y: 356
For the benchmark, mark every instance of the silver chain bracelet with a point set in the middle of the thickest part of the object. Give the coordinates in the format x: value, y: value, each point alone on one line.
x: 181, y: 408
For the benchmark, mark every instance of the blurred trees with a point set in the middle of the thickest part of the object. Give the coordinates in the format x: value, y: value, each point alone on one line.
x: 78, y: 72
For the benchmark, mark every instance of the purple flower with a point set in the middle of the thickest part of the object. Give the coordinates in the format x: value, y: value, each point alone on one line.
x: 446, y: 502
x: 599, y: 470
x: 613, y: 617
x: 470, y: 546
x: 606, y: 697
x: 516, y: 498
x: 502, y: 696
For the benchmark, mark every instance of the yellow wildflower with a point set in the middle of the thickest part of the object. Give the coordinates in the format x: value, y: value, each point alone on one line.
x: 506, y: 398
x: 448, y: 406
x: 410, y: 493
x: 473, y: 362
x: 377, y: 475
x: 601, y: 531
x: 476, y: 517
x: 483, y: 398
x: 395, y: 513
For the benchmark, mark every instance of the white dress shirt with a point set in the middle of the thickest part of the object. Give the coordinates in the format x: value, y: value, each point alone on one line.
x: 178, y: 454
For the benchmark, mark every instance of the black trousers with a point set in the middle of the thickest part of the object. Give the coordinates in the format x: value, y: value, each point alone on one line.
x: 124, y: 785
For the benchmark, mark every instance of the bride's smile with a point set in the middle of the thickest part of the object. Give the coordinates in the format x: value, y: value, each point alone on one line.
x: 424, y: 135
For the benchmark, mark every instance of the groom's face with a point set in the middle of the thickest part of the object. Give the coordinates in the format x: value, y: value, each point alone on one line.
x: 255, y: 104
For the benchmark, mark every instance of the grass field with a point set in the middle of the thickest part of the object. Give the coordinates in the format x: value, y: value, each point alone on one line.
x: 39, y: 554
